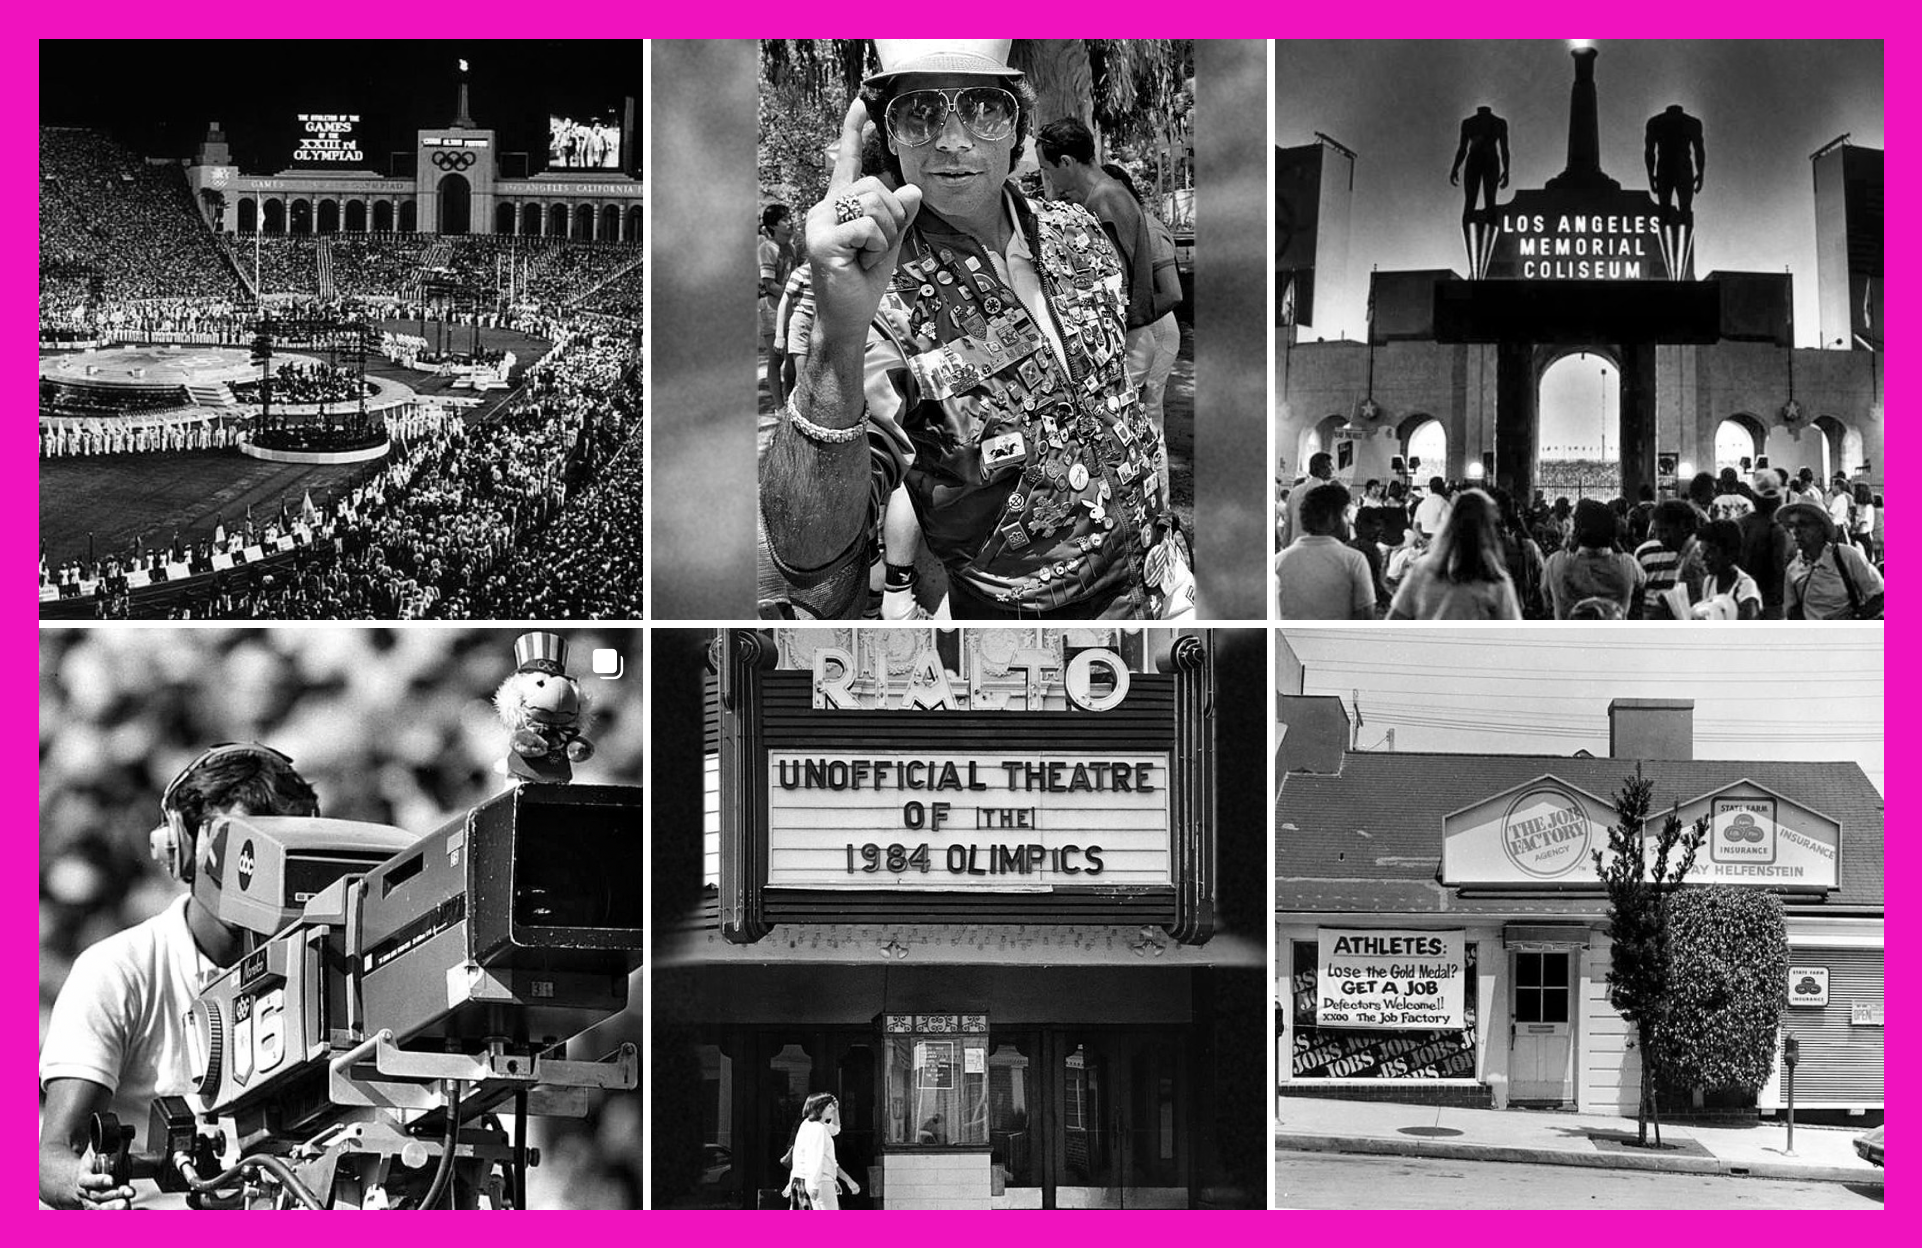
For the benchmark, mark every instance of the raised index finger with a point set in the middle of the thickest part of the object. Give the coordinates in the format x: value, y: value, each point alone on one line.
x: 847, y: 162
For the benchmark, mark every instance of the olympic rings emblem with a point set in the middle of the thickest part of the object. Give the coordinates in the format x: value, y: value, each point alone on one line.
x: 454, y: 161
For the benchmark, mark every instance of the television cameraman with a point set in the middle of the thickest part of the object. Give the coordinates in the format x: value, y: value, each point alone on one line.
x: 118, y: 1036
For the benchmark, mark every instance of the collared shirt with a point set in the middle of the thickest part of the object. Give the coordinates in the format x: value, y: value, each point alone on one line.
x: 1016, y: 267
x: 1817, y: 586
x: 1323, y: 578
x: 997, y: 393
x: 1432, y: 514
x: 121, y: 1018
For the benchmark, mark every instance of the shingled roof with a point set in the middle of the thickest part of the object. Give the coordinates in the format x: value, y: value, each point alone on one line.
x: 1370, y: 837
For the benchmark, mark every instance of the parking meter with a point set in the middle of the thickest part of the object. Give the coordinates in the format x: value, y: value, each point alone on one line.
x: 1791, y: 1053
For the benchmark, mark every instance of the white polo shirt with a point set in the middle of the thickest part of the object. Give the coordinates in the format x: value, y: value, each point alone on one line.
x: 121, y: 1018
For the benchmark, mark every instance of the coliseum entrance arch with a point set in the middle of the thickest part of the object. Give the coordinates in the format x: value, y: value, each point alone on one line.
x: 1740, y: 440
x: 456, y: 204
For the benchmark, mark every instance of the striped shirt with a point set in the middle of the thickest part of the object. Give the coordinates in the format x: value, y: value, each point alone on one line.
x: 1665, y: 567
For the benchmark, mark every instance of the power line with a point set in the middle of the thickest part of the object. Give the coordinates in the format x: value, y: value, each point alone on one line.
x: 1456, y: 696
x: 1863, y: 641
x: 1570, y: 676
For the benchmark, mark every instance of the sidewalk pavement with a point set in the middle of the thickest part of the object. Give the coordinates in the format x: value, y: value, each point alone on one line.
x: 1548, y: 1137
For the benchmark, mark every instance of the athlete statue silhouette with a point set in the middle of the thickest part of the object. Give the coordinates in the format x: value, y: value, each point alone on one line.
x: 1672, y: 149
x: 1484, y: 147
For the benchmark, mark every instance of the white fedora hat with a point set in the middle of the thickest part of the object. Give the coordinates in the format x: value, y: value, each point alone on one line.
x: 941, y: 56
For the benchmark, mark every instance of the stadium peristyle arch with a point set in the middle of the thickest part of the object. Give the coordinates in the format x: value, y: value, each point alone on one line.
x: 456, y: 185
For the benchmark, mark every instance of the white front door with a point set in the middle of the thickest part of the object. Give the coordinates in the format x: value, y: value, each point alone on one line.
x: 1541, y: 1044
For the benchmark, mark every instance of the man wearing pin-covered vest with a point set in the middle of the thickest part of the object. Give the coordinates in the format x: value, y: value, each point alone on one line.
x: 971, y: 345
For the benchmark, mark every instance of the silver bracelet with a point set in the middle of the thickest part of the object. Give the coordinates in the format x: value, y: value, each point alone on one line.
x: 821, y: 433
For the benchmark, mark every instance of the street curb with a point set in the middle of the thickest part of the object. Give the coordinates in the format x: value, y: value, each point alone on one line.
x: 1453, y: 1150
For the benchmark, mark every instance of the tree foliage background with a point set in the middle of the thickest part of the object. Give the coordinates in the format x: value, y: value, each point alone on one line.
x: 1136, y: 94
x: 1640, y: 887
x: 392, y: 725
x: 1728, y: 985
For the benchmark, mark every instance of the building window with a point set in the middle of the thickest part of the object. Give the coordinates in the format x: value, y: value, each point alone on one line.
x: 1541, y: 987
x: 937, y: 1090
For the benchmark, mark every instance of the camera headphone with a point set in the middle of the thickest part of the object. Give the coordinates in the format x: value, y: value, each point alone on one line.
x: 172, y: 843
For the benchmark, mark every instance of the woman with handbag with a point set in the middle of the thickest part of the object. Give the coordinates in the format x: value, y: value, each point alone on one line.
x: 813, y: 1173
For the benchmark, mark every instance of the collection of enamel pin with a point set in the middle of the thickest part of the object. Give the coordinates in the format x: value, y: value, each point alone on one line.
x: 1085, y: 453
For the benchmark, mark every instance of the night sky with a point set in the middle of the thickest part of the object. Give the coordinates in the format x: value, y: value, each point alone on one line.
x: 158, y: 97
x: 1765, y: 108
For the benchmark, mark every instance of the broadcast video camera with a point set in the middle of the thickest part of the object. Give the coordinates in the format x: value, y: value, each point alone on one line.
x: 402, y: 991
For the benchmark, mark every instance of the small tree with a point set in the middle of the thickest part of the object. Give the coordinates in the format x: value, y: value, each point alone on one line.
x: 1639, y: 893
x: 1729, y: 954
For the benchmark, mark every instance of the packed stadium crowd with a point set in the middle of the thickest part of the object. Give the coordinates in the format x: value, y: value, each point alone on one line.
x: 367, y: 265
x: 110, y: 216
x: 462, y: 521
x: 117, y: 229
x: 536, y: 507
x: 1719, y: 547
x: 288, y: 264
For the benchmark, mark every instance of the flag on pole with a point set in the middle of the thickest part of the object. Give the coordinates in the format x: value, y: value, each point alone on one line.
x: 220, y: 532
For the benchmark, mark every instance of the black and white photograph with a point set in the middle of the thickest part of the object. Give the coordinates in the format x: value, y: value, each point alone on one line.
x: 1579, y: 329
x: 340, y: 918
x: 976, y: 318
x: 958, y: 918
x: 355, y: 334
x: 1578, y: 919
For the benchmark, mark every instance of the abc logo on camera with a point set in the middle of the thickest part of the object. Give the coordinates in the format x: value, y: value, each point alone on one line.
x: 1743, y: 831
x: 244, y: 866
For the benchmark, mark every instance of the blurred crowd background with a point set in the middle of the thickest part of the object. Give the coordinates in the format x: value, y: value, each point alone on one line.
x: 394, y: 726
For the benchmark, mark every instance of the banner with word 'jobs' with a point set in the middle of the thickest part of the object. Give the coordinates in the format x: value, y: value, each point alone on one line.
x: 1391, y: 979
x: 1012, y: 822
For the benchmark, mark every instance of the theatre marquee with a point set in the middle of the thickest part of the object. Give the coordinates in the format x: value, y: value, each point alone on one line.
x: 831, y: 800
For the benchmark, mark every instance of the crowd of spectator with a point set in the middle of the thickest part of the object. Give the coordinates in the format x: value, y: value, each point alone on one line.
x: 535, y: 511
x: 374, y: 265
x: 1720, y: 546
x: 387, y: 268
x: 619, y: 295
x: 464, y: 520
x: 116, y: 227
x: 587, y: 563
x: 288, y: 263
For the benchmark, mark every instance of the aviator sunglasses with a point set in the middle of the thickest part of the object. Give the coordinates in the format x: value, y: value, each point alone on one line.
x: 915, y: 117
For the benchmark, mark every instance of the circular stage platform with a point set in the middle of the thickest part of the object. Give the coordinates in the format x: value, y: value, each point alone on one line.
x: 152, y: 368
x: 168, y: 385
x: 359, y: 455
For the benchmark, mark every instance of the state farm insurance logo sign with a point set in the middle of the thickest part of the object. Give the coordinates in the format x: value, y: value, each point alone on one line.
x: 1742, y: 830
x: 1545, y: 833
